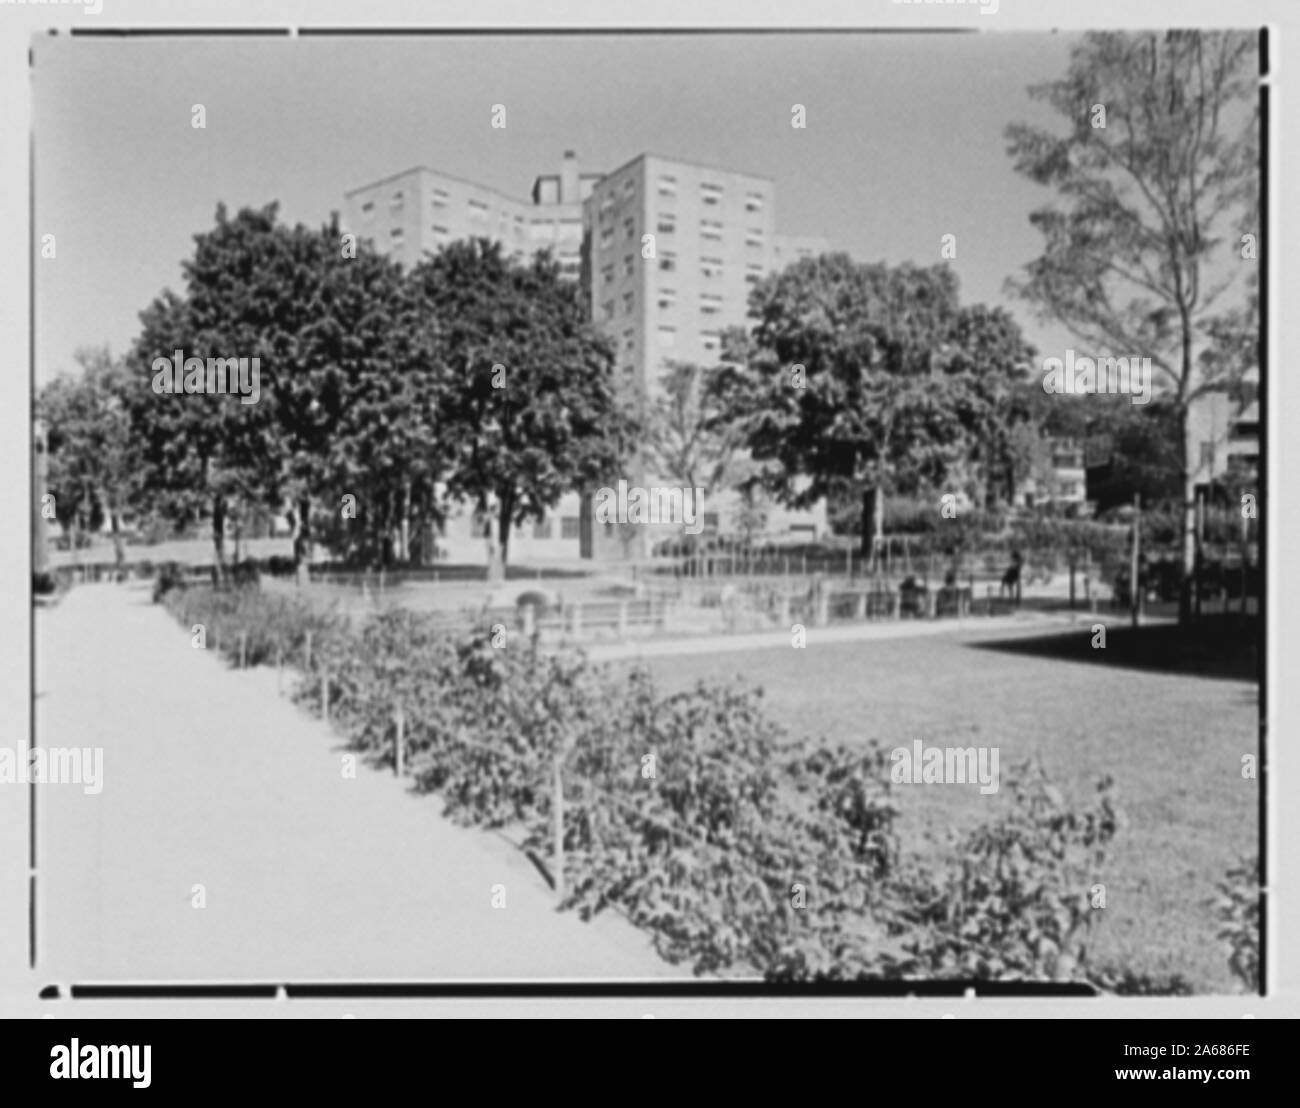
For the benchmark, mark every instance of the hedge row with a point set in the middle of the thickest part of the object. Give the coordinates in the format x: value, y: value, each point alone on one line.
x: 739, y: 850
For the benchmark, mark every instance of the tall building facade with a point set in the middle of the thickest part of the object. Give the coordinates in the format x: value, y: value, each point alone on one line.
x: 671, y: 249
x: 417, y: 212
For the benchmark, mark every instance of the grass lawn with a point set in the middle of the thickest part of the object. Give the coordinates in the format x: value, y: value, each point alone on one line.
x: 1173, y: 743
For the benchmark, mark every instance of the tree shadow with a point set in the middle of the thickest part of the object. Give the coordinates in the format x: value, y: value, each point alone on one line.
x: 1223, y: 647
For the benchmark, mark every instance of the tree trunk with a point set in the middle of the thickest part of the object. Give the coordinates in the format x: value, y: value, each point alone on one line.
x: 119, y: 551
x: 1190, y: 457
x: 404, y: 539
x: 505, y: 510
x: 218, y: 540
x: 302, y: 542
x: 868, y: 523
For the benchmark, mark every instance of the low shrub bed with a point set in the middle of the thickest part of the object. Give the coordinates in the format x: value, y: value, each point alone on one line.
x: 741, y: 850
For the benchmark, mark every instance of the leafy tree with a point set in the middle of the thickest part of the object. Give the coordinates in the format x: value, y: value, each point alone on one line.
x: 987, y: 357
x: 692, y: 441
x: 853, y: 382
x: 530, y: 404
x: 1139, y: 251
x: 688, y: 436
x: 347, y: 379
x: 92, y: 464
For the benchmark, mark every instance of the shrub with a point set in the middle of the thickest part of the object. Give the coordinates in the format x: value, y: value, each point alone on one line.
x: 1016, y: 901
x: 739, y: 852
x: 1129, y: 982
x: 170, y: 576
x: 1238, y: 912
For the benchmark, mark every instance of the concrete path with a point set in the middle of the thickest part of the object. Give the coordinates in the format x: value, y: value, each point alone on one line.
x: 211, y: 778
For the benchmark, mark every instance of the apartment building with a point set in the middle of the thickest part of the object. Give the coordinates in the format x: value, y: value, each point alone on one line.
x: 675, y: 248
x: 1223, y: 432
x: 417, y: 212
x: 672, y: 249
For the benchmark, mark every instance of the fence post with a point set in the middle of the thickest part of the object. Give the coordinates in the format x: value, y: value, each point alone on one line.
x: 279, y: 669
x: 528, y: 613
x: 307, y: 652
x: 575, y: 624
x: 557, y: 805
x: 860, y: 606
x: 399, y: 736
x: 823, y: 605
x: 324, y: 695
x: 243, y: 649
x: 622, y: 619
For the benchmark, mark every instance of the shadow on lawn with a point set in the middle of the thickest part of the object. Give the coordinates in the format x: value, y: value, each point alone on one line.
x: 1217, y: 646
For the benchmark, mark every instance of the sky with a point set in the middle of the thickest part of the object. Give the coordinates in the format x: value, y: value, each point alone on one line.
x: 904, y: 141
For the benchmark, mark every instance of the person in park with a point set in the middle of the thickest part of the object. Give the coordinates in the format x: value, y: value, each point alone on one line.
x: 1011, y: 579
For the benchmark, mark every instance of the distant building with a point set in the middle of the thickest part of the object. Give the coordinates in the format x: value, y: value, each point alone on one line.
x: 1223, y: 432
x: 1064, y: 484
x: 671, y: 249
x: 40, y: 534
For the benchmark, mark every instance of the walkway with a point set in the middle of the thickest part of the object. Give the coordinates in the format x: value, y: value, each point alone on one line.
x: 211, y: 778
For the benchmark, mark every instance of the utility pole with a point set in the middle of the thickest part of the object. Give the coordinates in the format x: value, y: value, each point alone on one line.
x: 1135, y: 586
x: 1198, y: 560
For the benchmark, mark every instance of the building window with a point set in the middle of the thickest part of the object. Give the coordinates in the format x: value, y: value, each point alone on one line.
x: 478, y: 209
x: 710, y: 303
x: 440, y: 198
x: 606, y: 237
x: 629, y: 265
x: 629, y: 339
x: 627, y: 301
x: 754, y: 237
x: 396, y: 232
x: 667, y: 224
x: 570, y: 265
x: 711, y: 194
x: 710, y: 229
x: 667, y: 299
x: 1207, y: 455
x: 569, y: 527
x: 711, y: 341
x: 711, y: 267
x: 395, y: 203
x: 606, y: 206
x: 629, y: 186
x: 667, y: 186
x: 668, y: 261
x: 542, y: 529
x: 629, y: 228
x: 753, y: 201
x: 667, y: 336
x: 754, y: 272
x: 440, y: 230
x: 607, y: 274
x: 368, y: 208
x: 607, y: 310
